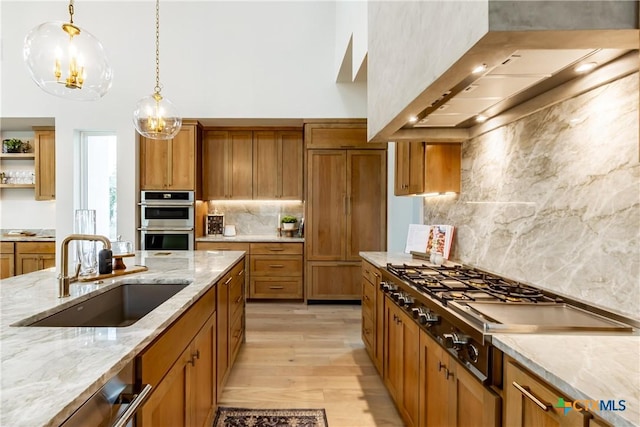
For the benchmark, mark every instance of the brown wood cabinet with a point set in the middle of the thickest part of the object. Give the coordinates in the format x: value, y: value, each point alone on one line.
x: 529, y: 401
x: 338, y: 134
x: 276, y: 271
x: 228, y: 164
x: 449, y: 394
x: 230, y: 315
x: 34, y: 256
x: 345, y: 214
x: 401, y: 362
x: 426, y: 168
x: 277, y: 165
x: 45, y: 163
x: 373, y: 314
x: 172, y: 164
x: 7, y: 260
x: 180, y: 366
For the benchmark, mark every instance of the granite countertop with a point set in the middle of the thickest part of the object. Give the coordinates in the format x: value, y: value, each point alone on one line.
x: 584, y: 366
x: 255, y: 238
x: 40, y: 235
x: 48, y: 372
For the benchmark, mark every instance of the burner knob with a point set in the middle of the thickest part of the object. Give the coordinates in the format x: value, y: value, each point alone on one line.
x: 405, y: 300
x: 384, y: 286
x: 416, y: 311
x: 473, y: 353
x: 430, y: 318
x: 455, y: 340
x: 395, y: 296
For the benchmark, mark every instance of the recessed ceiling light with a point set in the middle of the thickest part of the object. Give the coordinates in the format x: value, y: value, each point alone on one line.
x: 413, y: 119
x: 481, y: 118
x: 480, y: 68
x: 583, y: 68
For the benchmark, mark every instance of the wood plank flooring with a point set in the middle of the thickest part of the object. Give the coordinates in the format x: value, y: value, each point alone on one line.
x: 309, y: 356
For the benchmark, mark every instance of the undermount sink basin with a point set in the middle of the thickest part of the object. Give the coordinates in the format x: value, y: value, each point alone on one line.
x: 120, y: 306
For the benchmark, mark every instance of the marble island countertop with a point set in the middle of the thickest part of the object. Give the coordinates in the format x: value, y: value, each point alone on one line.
x: 584, y: 366
x: 47, y: 373
x: 30, y: 235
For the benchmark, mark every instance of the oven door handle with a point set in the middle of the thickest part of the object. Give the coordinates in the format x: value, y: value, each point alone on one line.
x: 165, y: 229
x: 133, y: 406
x: 166, y: 205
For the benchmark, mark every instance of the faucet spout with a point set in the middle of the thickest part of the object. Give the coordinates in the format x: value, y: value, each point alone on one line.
x: 63, y: 278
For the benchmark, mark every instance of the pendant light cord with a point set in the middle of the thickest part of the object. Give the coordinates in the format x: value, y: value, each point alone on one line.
x: 71, y: 11
x: 157, y: 88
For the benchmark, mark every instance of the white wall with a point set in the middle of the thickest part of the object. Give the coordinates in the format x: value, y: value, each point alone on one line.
x: 218, y: 60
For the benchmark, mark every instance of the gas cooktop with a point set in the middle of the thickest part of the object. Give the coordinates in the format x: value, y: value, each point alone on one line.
x: 494, y: 303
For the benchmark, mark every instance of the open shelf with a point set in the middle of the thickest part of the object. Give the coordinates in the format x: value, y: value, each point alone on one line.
x: 17, y: 186
x: 18, y: 156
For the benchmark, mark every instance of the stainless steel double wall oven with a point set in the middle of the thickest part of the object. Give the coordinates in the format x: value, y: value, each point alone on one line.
x: 167, y: 220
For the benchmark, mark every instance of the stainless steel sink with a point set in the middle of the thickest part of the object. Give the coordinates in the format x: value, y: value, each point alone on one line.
x: 120, y: 306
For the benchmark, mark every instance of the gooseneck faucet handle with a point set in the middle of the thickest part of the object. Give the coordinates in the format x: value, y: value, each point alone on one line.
x: 63, y: 278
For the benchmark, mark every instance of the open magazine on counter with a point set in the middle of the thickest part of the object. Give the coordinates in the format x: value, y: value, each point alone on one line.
x: 430, y: 238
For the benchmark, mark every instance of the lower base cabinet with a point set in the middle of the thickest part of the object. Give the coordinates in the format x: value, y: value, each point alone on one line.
x: 333, y: 280
x: 188, y: 364
x: 34, y: 256
x: 449, y: 395
x: 6, y: 260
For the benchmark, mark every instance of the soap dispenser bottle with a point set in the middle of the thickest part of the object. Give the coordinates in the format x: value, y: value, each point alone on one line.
x: 105, y: 261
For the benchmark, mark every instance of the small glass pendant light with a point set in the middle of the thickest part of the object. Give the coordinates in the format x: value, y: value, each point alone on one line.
x: 156, y: 117
x: 67, y: 61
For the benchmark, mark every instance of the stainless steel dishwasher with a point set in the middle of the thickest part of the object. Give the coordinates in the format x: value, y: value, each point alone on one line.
x: 114, y: 405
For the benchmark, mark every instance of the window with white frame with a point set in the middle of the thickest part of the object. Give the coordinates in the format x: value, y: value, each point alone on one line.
x: 97, y: 178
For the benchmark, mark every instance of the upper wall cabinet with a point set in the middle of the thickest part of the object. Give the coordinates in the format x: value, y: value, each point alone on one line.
x: 338, y: 134
x: 426, y: 168
x: 227, y: 161
x: 253, y: 164
x: 277, y: 165
x: 172, y: 164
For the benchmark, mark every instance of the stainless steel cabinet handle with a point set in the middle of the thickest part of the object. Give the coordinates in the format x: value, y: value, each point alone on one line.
x: 133, y: 407
x: 527, y: 392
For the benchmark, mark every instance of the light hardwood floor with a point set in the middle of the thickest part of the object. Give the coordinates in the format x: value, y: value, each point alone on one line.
x: 299, y: 356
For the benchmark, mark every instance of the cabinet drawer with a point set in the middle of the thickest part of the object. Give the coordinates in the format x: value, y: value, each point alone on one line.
x: 368, y: 332
x: 276, y: 248
x: 222, y: 246
x: 156, y: 359
x: 6, y: 248
x: 36, y: 247
x: 368, y: 298
x: 370, y: 272
x: 276, y: 288
x: 338, y: 135
x: 236, y: 298
x: 270, y: 265
x: 236, y: 333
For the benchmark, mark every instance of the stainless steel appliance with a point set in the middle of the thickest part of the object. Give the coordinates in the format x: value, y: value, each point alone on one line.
x: 114, y: 405
x: 462, y: 306
x: 167, y: 220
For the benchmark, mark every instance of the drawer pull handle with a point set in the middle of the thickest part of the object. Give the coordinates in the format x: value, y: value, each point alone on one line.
x: 276, y: 287
x: 276, y: 266
x: 527, y: 392
x: 238, y: 299
x: 447, y: 374
x: 441, y: 365
x: 276, y: 249
x: 241, y: 272
x: 228, y: 280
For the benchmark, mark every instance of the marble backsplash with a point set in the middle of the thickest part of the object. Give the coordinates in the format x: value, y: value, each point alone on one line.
x: 554, y: 199
x: 256, y: 217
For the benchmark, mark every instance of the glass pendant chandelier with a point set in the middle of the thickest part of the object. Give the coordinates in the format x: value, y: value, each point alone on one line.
x: 67, y: 61
x: 156, y: 117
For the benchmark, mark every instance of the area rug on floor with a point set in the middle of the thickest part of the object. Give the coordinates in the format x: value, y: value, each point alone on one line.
x: 241, y: 417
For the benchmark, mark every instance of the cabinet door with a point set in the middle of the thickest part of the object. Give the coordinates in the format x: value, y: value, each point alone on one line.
x: 393, y: 353
x: 7, y: 260
x: 168, y: 404
x: 182, y: 173
x: 434, y: 383
x: 290, y: 165
x: 214, y: 159
x: 529, y: 402
x: 333, y: 281
x: 366, y: 228
x: 222, y: 336
x: 45, y: 164
x: 203, y: 391
x: 267, y: 165
x: 442, y: 168
x: 326, y: 205
x: 475, y: 405
x: 240, y: 165
x: 154, y: 163
x: 402, y: 171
